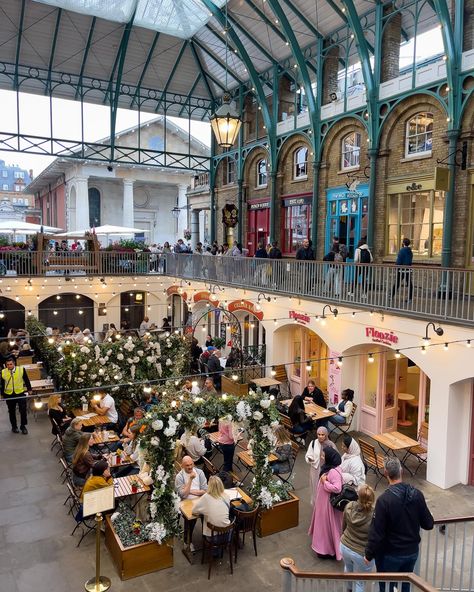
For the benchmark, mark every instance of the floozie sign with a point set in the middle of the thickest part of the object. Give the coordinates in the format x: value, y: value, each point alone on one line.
x: 377, y: 336
x: 299, y: 317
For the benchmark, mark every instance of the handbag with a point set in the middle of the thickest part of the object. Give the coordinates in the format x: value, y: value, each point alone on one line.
x: 340, y: 500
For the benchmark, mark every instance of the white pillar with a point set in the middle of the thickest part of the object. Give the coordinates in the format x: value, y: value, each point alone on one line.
x: 82, y: 203
x: 195, y: 228
x: 183, y: 212
x: 128, y: 217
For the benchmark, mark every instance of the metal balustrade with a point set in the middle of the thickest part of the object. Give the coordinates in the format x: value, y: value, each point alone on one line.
x: 437, y: 293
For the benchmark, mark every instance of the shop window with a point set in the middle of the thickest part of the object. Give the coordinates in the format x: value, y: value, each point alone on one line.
x: 5, y: 174
x: 229, y: 171
x: 94, y: 207
x: 262, y: 176
x: 19, y: 175
x: 300, y: 163
x: 419, y: 217
x: 297, y: 227
x: 350, y: 151
x: 419, y: 135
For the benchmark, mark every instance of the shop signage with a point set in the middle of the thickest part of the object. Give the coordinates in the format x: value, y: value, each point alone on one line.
x: 247, y: 306
x: 334, y: 378
x: 297, y: 201
x: 259, y: 206
x: 377, y: 336
x: 300, y: 317
x: 177, y: 290
x: 203, y: 296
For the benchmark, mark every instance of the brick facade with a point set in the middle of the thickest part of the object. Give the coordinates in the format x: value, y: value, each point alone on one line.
x: 390, y: 62
x: 330, y: 73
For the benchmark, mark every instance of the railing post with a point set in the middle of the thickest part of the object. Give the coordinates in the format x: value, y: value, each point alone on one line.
x: 287, y: 576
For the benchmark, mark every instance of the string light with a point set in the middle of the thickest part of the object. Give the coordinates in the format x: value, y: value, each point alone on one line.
x: 398, y: 354
x: 446, y: 347
x: 371, y: 359
x: 339, y: 361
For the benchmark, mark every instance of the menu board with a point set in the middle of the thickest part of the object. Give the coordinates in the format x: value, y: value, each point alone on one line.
x: 99, y: 500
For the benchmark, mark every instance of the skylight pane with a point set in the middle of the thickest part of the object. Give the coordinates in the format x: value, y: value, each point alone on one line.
x: 112, y: 10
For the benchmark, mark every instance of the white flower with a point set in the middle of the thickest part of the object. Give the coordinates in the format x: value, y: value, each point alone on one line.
x: 153, y: 509
x: 151, y: 359
x: 129, y: 360
x: 172, y: 427
x: 176, y: 501
x: 159, y: 369
x: 243, y: 410
x: 132, y: 371
x: 101, y: 371
x: 136, y: 359
x: 84, y: 399
x: 81, y: 373
x: 141, y: 353
x: 266, y: 498
x: 114, y: 516
x: 97, y: 352
x: 258, y: 415
x: 157, y: 425
x: 102, y: 361
x: 83, y: 366
x: 120, y: 357
x: 168, y: 343
x: 157, y: 532
x: 179, y: 416
x: 93, y: 376
x: 85, y: 350
x: 79, y: 380
x: 265, y: 403
x: 155, y: 441
x: 275, y: 423
x: 169, y: 362
x: 109, y: 352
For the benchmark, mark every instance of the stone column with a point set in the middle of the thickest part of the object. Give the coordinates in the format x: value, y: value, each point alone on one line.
x: 183, y: 212
x: 330, y: 71
x: 195, y: 228
x: 128, y: 216
x: 390, y: 60
x: 82, y: 203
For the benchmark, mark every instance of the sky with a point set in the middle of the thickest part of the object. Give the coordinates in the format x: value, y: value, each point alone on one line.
x: 66, y: 124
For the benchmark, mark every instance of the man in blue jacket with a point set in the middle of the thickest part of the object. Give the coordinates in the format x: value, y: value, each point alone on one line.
x: 404, y: 261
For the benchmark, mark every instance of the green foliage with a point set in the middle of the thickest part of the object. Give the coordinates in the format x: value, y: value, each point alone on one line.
x: 129, y: 530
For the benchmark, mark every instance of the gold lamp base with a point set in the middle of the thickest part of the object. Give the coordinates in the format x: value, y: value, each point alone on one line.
x: 102, y: 585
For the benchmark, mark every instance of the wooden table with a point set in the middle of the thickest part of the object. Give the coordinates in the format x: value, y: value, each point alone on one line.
x: 44, y: 385
x: 317, y: 412
x: 393, y: 441
x: 403, y: 398
x: 91, y: 421
x: 186, y: 507
x: 33, y: 371
x: 123, y: 486
x: 125, y: 460
x: 99, y: 437
x: 266, y: 382
x: 22, y: 360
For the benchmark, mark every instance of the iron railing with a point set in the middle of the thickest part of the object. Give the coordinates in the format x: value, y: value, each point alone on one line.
x: 420, y: 291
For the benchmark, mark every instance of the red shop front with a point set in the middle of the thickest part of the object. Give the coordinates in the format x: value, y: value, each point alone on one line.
x: 295, y: 222
x: 258, y: 223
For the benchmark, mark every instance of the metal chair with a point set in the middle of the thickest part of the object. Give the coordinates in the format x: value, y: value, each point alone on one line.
x: 292, y: 460
x: 221, y: 540
x: 345, y: 427
x: 245, y: 522
x: 420, y: 451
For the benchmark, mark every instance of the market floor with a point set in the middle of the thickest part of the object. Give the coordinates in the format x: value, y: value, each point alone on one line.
x: 37, y: 553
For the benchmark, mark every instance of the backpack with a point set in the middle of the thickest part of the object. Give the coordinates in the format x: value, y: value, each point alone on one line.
x: 365, y: 256
x: 338, y: 258
x: 329, y: 256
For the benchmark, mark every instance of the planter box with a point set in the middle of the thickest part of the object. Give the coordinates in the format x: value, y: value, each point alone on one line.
x: 282, y: 516
x: 231, y: 387
x: 139, y: 559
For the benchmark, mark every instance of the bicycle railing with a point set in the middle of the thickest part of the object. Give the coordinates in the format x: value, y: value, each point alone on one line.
x: 296, y: 580
x: 431, y: 292
x: 447, y: 554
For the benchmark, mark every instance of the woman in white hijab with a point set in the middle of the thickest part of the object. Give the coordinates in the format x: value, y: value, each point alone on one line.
x: 313, y: 457
x: 353, y: 470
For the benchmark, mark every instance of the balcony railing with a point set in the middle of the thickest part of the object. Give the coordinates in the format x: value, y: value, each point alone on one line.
x: 428, y: 292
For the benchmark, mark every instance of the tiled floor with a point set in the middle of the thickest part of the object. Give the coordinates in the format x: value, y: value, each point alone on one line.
x: 37, y: 553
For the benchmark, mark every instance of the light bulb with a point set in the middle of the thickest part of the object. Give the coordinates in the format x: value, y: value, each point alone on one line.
x: 339, y: 361
x: 97, y: 398
x: 446, y: 347
x: 50, y: 341
x: 173, y: 403
x: 235, y: 377
x: 273, y: 372
x: 371, y: 359
x: 224, y: 396
x: 398, y: 354
x: 38, y: 403
x: 468, y: 344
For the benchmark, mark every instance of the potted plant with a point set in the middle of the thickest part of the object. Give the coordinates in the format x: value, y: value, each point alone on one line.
x: 132, y: 551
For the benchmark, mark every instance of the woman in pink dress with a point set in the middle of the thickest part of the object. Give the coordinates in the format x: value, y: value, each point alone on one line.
x: 326, y: 522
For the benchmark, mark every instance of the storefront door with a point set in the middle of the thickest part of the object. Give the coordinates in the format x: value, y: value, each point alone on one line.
x: 258, y: 228
x: 310, y: 360
x: 347, y: 217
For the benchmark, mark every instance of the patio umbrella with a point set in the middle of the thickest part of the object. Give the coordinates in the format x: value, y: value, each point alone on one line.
x: 108, y: 230
x: 21, y: 227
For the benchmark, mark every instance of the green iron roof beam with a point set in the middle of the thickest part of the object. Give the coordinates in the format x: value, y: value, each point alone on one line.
x: 53, y: 51
x: 303, y: 19
x: 300, y: 62
x: 201, y: 69
x: 217, y: 59
x: 118, y: 82
x: 108, y: 93
x: 204, y: 73
x: 171, y: 74
x: 236, y: 24
x: 18, y: 43
x: 343, y: 15
x: 85, y: 56
x: 145, y: 68
x: 254, y: 77
x: 191, y: 90
x: 265, y: 19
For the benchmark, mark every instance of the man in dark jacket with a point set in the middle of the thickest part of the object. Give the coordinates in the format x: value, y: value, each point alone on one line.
x: 214, y: 367
x: 305, y: 252
x: 275, y: 252
x: 394, y: 535
x: 404, y: 261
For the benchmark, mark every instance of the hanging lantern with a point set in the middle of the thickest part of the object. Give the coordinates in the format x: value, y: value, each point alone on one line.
x: 226, y: 123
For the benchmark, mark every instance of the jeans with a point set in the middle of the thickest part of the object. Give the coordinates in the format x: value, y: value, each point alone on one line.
x: 21, y: 401
x: 302, y: 427
x: 353, y: 562
x: 338, y: 419
x: 394, y: 564
x: 228, y: 454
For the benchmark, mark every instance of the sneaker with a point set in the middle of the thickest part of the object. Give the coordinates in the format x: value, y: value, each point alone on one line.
x: 15, y: 430
x: 192, y: 548
x: 24, y: 431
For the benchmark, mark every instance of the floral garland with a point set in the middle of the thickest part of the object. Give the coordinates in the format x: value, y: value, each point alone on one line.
x: 257, y: 413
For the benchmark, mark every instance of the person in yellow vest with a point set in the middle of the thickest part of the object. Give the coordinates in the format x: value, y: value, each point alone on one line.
x: 15, y: 385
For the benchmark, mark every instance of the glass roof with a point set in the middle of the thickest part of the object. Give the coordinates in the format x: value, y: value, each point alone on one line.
x: 179, y: 18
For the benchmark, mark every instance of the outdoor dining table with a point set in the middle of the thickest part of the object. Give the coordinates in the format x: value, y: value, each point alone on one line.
x: 123, y: 487
x: 391, y: 442
x: 186, y: 508
x: 247, y: 460
x: 314, y: 411
x: 91, y: 418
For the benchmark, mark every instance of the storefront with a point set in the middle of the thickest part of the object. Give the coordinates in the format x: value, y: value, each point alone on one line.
x: 252, y: 331
x: 347, y: 216
x: 258, y: 223
x: 177, y: 306
x: 295, y: 222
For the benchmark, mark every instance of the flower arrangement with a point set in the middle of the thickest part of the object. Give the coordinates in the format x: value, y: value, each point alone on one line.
x: 129, y: 530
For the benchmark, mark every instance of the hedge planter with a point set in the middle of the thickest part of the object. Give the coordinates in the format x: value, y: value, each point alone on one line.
x: 139, y: 559
x: 282, y: 516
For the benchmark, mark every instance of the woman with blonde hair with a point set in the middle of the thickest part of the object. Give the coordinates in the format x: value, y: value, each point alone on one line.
x: 213, y: 505
x: 83, y: 459
x: 57, y: 413
x: 282, y: 452
x: 355, y: 525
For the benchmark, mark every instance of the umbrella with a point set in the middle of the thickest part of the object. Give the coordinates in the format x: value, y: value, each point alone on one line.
x: 109, y: 229
x: 22, y: 227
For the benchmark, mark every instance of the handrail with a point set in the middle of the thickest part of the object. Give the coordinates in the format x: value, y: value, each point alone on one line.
x: 454, y: 520
x: 288, y: 564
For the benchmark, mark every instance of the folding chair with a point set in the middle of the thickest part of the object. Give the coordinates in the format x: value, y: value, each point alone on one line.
x: 345, y: 427
x: 373, y: 462
x: 420, y: 451
x: 286, y: 477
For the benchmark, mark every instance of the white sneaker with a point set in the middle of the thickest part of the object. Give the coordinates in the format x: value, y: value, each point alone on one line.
x: 192, y: 548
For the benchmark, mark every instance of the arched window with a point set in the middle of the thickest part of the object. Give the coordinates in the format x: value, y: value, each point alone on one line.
x: 94, y: 207
x: 300, y: 163
x: 229, y: 171
x: 262, y: 178
x: 419, y: 135
x: 350, y: 151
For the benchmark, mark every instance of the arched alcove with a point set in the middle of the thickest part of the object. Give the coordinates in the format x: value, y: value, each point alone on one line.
x: 94, y: 207
x: 12, y: 315
x: 67, y: 309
